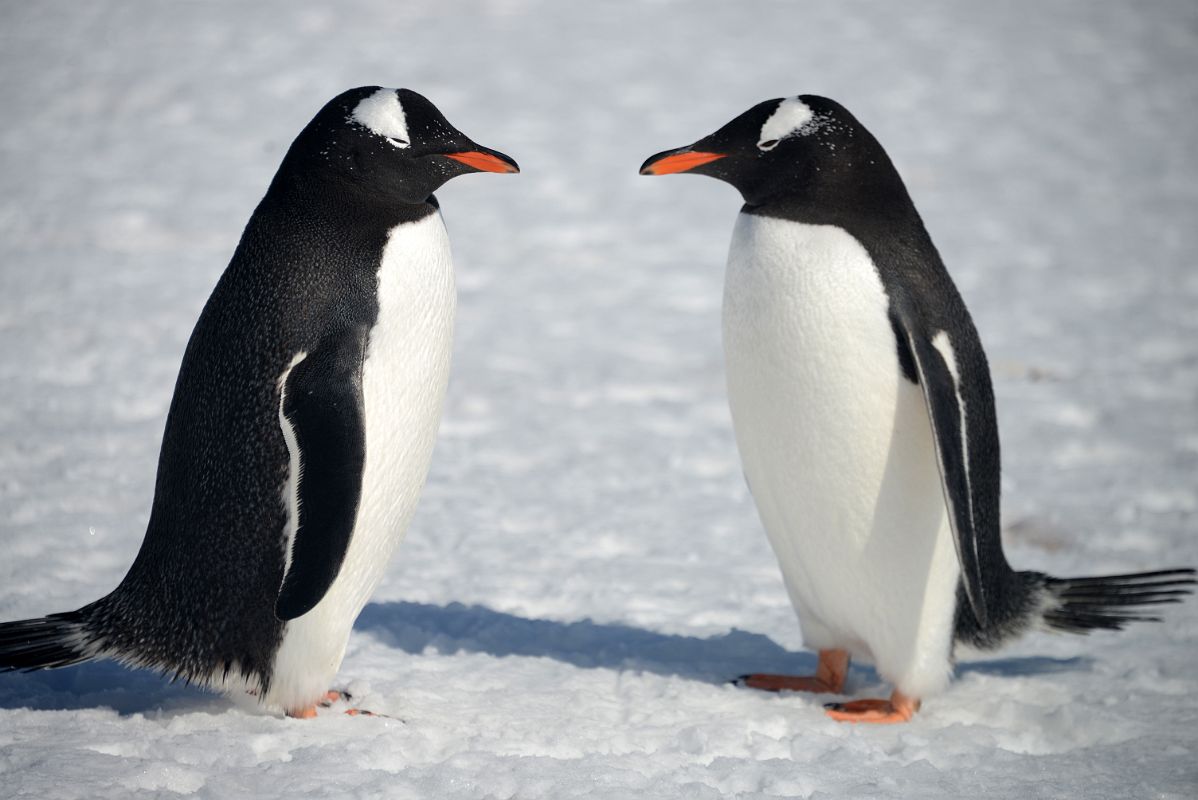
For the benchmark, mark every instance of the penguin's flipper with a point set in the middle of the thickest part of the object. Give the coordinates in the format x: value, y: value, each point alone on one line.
x: 955, y: 380
x: 321, y: 412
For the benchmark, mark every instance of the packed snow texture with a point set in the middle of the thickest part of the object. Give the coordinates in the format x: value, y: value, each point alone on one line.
x: 586, y: 569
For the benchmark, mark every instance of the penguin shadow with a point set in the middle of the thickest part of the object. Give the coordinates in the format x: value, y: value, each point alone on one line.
x: 103, y: 684
x: 1023, y: 666
x: 457, y: 628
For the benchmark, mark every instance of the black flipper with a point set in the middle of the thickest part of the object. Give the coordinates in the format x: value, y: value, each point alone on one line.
x: 322, y: 402
x: 955, y: 380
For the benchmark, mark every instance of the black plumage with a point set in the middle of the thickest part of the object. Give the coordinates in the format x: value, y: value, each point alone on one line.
x: 206, y: 595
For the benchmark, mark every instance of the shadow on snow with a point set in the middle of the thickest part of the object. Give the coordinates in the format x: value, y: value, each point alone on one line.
x: 453, y: 628
x: 456, y: 628
x: 103, y: 684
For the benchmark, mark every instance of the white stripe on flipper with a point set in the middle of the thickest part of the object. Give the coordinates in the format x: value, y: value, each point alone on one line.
x: 944, y: 346
x: 789, y: 118
x: 382, y: 113
x: 404, y: 376
x: 295, y: 466
x: 808, y: 325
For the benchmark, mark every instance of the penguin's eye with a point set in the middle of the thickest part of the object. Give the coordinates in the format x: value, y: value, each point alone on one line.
x: 768, y: 144
x: 397, y: 142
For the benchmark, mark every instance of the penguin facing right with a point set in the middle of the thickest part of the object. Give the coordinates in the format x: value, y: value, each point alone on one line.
x: 303, y: 419
x: 864, y: 415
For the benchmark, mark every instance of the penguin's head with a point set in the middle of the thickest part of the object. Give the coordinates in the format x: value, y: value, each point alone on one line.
x: 393, y: 142
x: 775, y: 148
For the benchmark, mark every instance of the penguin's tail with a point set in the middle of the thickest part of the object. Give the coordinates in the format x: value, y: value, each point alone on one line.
x: 1108, y: 602
x: 58, y: 640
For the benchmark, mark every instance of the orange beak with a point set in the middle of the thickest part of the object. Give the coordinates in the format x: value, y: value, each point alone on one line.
x: 679, y: 162
x: 484, y: 162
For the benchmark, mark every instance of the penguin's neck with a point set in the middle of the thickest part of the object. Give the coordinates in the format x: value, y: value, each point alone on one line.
x: 345, y: 200
x: 853, y: 188
x: 309, y: 227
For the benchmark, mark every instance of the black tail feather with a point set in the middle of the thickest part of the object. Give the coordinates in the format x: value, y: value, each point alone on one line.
x: 1169, y: 575
x: 1109, y: 602
x: 58, y: 640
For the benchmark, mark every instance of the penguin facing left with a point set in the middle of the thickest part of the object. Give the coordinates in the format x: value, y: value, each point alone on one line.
x: 864, y: 415
x: 303, y: 420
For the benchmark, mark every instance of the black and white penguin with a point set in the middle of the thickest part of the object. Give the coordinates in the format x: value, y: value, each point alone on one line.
x: 303, y: 419
x: 864, y: 416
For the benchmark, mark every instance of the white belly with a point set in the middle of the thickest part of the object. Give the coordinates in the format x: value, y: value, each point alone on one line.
x: 837, y: 449
x: 403, y: 385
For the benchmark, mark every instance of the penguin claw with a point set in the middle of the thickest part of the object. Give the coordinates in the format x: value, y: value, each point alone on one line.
x: 829, y: 676
x: 899, y: 708
x: 334, y: 696
x: 361, y: 712
x: 330, y: 697
x: 785, y: 683
x: 311, y: 713
x: 303, y: 713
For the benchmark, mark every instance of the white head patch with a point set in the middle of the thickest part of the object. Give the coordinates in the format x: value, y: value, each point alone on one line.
x: 382, y: 113
x: 790, y: 117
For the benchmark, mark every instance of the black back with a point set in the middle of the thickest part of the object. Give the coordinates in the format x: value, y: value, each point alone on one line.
x: 201, y: 596
x: 832, y: 171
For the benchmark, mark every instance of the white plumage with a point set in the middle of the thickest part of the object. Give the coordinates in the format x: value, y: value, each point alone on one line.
x: 791, y: 116
x: 382, y: 113
x: 404, y: 378
x: 838, y: 451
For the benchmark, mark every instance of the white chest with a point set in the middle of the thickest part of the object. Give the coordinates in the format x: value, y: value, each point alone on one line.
x: 837, y: 445
x: 810, y: 353
x: 406, y: 367
x: 404, y: 377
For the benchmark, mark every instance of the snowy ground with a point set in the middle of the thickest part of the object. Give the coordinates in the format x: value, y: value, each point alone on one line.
x: 586, y: 568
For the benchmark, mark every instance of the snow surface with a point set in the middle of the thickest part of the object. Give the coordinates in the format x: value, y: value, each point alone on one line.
x: 586, y: 569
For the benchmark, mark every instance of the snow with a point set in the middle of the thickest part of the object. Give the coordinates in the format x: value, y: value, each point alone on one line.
x: 586, y: 569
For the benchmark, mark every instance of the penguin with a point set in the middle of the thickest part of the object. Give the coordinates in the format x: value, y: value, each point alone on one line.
x: 303, y: 419
x: 863, y: 411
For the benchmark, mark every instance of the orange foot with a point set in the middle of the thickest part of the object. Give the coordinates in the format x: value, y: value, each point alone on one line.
x: 303, y: 713
x: 333, y: 696
x: 899, y: 708
x: 330, y: 697
x: 361, y: 712
x: 829, y: 676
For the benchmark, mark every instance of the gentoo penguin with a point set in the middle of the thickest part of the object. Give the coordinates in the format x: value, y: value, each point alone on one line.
x: 864, y: 416
x: 302, y: 424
